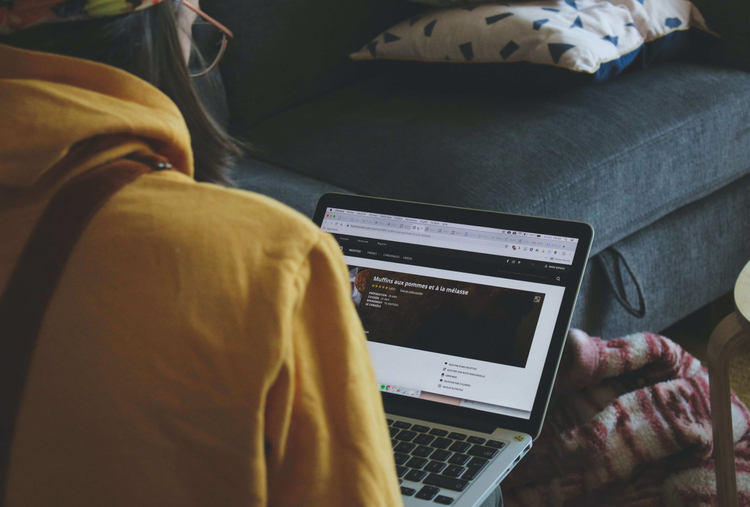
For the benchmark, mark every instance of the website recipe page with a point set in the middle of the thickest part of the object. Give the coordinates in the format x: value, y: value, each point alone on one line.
x: 451, y: 321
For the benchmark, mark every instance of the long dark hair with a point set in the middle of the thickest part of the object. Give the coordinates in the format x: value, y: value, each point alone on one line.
x: 146, y: 44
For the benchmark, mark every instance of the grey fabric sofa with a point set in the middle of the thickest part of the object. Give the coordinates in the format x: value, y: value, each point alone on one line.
x: 657, y: 160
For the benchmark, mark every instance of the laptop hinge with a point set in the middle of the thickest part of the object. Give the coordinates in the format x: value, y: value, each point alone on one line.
x: 473, y: 424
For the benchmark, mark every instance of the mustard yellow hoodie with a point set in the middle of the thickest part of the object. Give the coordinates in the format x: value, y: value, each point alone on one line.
x: 201, y: 348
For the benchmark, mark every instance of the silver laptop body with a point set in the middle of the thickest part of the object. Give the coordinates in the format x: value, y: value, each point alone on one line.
x: 466, y: 314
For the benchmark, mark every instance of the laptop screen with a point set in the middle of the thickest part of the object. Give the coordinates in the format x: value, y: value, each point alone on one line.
x: 454, y: 313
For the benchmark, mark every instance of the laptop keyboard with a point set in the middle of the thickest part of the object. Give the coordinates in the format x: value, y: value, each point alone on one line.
x: 440, y: 460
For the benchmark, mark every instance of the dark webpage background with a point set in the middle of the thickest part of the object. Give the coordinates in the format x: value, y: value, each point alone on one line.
x: 461, y: 319
x: 498, y: 322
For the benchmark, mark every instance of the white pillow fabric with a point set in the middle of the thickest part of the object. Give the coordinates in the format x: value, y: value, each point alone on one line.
x: 451, y: 3
x: 580, y: 35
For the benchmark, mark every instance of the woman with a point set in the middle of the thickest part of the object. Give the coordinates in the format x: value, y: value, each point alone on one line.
x: 200, y: 347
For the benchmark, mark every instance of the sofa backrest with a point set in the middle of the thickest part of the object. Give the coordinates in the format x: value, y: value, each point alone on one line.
x: 286, y: 52
x: 731, y: 19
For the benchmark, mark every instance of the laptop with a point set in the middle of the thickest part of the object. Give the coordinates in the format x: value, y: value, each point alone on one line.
x: 466, y: 313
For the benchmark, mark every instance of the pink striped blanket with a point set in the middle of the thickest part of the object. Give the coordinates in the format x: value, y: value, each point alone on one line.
x: 629, y: 425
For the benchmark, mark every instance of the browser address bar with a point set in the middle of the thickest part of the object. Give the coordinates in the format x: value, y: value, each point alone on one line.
x: 437, y: 239
x: 387, y: 230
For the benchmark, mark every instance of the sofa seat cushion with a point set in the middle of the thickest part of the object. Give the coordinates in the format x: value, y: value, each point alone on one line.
x: 293, y: 189
x: 619, y: 155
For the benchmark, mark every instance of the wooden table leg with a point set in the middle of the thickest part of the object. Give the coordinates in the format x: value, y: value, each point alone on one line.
x: 725, y: 339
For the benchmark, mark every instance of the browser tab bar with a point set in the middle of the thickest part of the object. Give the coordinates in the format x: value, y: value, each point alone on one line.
x: 341, y: 214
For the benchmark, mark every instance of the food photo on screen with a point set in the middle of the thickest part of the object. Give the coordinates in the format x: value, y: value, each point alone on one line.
x: 471, y: 320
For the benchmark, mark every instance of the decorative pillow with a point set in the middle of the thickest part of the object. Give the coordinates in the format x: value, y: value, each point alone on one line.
x: 451, y: 3
x: 596, y: 37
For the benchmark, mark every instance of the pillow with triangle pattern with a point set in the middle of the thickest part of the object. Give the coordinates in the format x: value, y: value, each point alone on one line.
x: 596, y: 38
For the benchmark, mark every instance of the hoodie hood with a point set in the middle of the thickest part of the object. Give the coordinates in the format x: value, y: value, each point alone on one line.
x: 50, y: 104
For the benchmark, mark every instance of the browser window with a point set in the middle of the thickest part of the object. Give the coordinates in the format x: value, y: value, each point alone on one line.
x: 454, y: 313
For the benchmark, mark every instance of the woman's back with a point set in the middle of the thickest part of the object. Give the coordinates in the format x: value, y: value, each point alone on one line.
x: 200, y: 347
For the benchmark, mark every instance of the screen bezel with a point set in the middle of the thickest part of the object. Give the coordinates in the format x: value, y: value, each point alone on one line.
x: 539, y: 225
